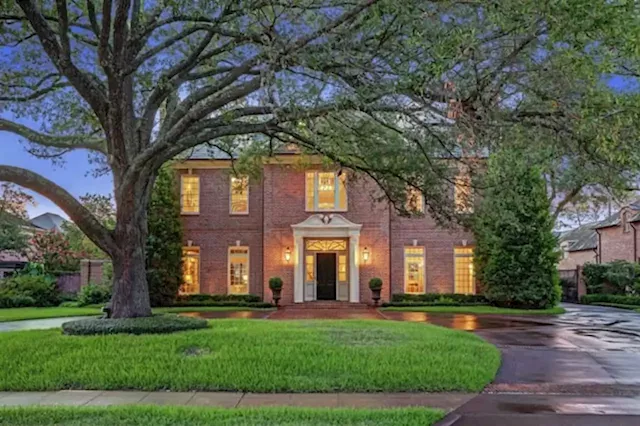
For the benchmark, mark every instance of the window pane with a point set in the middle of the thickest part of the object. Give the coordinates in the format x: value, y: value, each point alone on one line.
x: 239, y: 194
x: 310, y: 191
x: 414, y: 269
x: 190, y: 270
x: 342, y: 268
x: 415, y: 201
x: 238, y: 270
x: 190, y: 194
x: 463, y: 194
x: 342, y: 191
x: 326, y: 191
x: 310, y: 268
x: 326, y: 245
x: 465, y: 280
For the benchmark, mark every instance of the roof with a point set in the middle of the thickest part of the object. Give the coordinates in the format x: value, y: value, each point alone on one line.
x: 49, y: 221
x: 584, y: 237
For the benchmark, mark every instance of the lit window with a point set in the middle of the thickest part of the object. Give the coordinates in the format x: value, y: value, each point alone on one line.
x: 190, y: 194
x: 465, y: 278
x: 238, y: 270
x: 342, y: 267
x: 190, y: 270
x: 414, y: 269
x: 239, y: 191
x: 415, y: 201
x: 326, y: 191
x: 310, y: 268
x: 463, y: 194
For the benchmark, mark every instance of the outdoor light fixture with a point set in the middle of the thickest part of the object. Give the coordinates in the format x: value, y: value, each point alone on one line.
x: 365, y: 255
x: 287, y: 255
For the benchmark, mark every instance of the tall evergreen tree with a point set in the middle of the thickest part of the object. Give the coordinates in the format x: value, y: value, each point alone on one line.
x: 516, y: 252
x: 164, y: 242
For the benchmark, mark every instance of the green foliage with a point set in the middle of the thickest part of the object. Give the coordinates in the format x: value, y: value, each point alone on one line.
x: 157, y: 324
x: 435, y: 299
x: 13, y: 218
x: 183, y: 299
x: 164, y: 242
x: 275, y: 283
x: 222, y: 303
x: 516, y: 253
x: 375, y: 283
x: 53, y: 250
x: 610, y: 298
x: 40, y: 288
x: 69, y: 304
x: 9, y: 300
x: 94, y: 294
x: 618, y: 277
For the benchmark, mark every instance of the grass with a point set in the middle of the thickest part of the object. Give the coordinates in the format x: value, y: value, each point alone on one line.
x: 19, y: 314
x: 479, y: 309
x: 192, y: 416
x: 254, y: 356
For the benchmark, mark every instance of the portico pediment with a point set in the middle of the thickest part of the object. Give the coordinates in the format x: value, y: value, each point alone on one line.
x: 326, y: 221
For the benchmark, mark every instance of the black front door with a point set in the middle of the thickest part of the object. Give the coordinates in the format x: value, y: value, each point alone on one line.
x: 326, y: 270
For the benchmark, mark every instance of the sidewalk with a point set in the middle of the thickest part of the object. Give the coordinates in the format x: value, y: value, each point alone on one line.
x: 444, y: 401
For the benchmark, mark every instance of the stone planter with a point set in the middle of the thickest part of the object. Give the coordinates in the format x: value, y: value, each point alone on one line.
x: 276, y: 296
x: 375, y: 295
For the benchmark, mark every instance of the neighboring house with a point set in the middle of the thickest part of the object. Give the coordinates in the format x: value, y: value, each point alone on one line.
x: 11, y: 261
x: 49, y: 221
x: 319, y: 230
x: 578, y: 246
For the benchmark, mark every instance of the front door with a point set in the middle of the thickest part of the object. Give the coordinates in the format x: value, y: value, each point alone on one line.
x: 326, y: 276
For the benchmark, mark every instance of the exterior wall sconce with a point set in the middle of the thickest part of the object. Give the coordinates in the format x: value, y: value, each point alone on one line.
x: 365, y: 255
x: 287, y: 255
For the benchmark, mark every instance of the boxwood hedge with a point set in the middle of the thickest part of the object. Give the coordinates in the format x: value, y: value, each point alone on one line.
x: 156, y: 324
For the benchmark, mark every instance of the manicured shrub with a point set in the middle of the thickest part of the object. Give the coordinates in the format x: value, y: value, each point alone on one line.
x: 249, y: 298
x: 375, y: 283
x: 41, y: 288
x: 157, y: 324
x: 164, y: 241
x: 617, y: 278
x: 610, y: 298
x: 516, y: 256
x: 94, y: 294
x: 70, y: 305
x: 440, y: 298
x: 15, y: 301
x: 275, y: 283
x: 231, y: 303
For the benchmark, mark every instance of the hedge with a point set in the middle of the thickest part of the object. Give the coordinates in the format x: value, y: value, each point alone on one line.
x: 16, y: 301
x: 610, y: 298
x: 239, y: 304
x: 186, y: 298
x: 157, y: 324
x: 40, y: 288
x: 443, y: 299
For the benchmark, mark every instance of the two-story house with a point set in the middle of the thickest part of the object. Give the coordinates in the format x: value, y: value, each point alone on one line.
x: 319, y: 229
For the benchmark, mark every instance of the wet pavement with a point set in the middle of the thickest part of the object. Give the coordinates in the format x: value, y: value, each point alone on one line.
x: 337, y: 314
x: 38, y: 324
x: 228, y: 314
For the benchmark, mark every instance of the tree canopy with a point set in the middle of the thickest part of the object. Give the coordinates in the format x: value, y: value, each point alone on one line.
x: 386, y: 88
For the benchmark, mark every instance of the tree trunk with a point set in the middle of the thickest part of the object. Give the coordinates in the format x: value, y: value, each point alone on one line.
x: 130, y: 291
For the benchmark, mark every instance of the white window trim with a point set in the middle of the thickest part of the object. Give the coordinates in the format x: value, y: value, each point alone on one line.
x: 182, y: 212
x: 231, y: 212
x: 194, y: 248
x: 229, y: 269
x: 336, y: 195
x: 424, y: 269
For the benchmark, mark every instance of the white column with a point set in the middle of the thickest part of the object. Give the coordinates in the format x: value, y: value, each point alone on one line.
x: 354, y: 268
x: 298, y: 271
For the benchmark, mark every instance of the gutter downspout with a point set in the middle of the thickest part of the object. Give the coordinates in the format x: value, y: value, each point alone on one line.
x: 599, y: 248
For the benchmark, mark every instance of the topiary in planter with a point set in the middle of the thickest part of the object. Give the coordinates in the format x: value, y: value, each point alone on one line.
x: 375, y: 284
x: 156, y: 324
x: 275, y: 284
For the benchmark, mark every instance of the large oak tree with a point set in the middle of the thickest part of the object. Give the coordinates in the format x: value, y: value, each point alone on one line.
x: 367, y: 83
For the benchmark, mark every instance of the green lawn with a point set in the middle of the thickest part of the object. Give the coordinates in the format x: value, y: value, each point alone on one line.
x: 254, y: 356
x: 482, y: 309
x: 19, y: 314
x: 196, y: 416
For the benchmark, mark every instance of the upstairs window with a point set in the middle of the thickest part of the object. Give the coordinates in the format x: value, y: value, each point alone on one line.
x: 190, y: 270
x: 415, y: 201
x: 238, y: 270
x: 190, y: 194
x: 326, y: 191
x: 463, y: 194
x: 465, y: 278
x: 626, y: 222
x: 239, y: 195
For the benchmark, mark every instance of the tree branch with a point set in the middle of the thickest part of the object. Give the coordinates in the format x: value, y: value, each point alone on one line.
x: 100, y: 235
x: 63, y: 142
x: 566, y: 200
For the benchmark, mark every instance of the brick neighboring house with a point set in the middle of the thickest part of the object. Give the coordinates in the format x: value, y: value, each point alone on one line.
x: 614, y: 238
x: 320, y: 230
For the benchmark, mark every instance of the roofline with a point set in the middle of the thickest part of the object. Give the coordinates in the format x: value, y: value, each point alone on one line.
x: 218, y: 163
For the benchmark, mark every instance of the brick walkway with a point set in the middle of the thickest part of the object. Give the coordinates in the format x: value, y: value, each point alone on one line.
x: 445, y: 401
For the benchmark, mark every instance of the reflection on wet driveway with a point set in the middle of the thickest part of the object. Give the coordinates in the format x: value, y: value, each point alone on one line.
x: 467, y: 322
x: 227, y: 314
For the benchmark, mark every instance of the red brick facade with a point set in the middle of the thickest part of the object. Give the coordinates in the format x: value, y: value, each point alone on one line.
x: 277, y: 201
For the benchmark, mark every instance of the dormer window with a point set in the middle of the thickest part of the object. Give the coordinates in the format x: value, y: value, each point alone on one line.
x: 326, y: 191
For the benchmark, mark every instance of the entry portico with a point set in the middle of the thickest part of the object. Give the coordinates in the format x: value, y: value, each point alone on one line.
x: 313, y: 230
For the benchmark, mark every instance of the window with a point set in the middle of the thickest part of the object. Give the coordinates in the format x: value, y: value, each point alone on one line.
x: 238, y: 270
x: 326, y: 245
x: 415, y: 201
x: 626, y: 222
x: 463, y: 194
x: 326, y: 191
x: 190, y: 270
x: 190, y: 194
x: 465, y: 278
x: 414, y: 270
x: 239, y: 199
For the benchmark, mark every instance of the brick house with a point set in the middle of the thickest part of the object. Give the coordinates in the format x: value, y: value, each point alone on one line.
x: 320, y: 230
